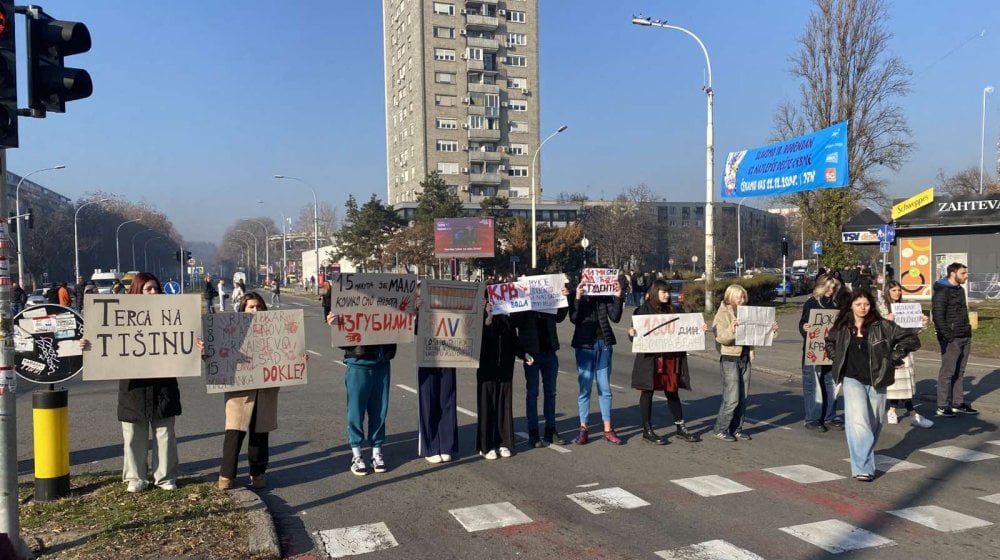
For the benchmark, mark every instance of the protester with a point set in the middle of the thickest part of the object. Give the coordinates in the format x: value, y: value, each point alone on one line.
x: 901, y: 392
x: 326, y: 296
x: 954, y: 334
x: 239, y: 291
x: 117, y: 287
x: 865, y: 347
x: 495, y: 384
x: 275, y: 293
x: 538, y: 337
x: 437, y: 411
x: 818, y: 394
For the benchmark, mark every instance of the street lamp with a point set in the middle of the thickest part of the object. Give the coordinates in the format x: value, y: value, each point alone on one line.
x: 118, y: 253
x: 709, y: 157
x: 982, y: 140
x: 315, y: 221
x: 17, y: 212
x: 284, y: 247
x: 534, y: 197
x: 739, y: 238
x: 145, y: 255
x: 256, y: 268
x: 267, y: 252
x: 136, y: 234
x: 76, y: 236
x: 585, y: 243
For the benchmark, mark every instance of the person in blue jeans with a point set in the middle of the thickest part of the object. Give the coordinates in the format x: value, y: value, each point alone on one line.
x: 537, y: 333
x: 865, y: 348
x: 818, y: 394
x: 594, y: 341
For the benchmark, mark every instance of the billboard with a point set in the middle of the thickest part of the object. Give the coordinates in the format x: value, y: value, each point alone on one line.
x: 463, y: 238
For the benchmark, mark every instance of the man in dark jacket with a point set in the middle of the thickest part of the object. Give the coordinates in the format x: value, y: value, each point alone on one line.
x: 210, y: 293
x: 537, y: 333
x: 951, y: 320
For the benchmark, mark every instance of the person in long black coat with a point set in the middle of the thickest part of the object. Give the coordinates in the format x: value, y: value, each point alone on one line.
x: 495, y: 384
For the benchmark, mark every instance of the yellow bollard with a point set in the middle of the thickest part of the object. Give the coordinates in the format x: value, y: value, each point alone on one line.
x: 51, y: 418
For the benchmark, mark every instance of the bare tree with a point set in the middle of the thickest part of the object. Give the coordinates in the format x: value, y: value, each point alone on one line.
x: 326, y: 219
x: 966, y: 182
x: 847, y: 74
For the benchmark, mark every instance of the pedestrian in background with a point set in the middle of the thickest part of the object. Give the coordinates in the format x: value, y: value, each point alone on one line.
x: 865, y: 350
x: 223, y: 296
x: 539, y: 338
x: 495, y: 384
x: 901, y: 392
x: 210, y: 293
x: 275, y: 293
x: 18, y: 299
x: 117, y: 287
x: 65, y: 299
x: 326, y: 296
x: 954, y: 333
x: 818, y: 393
x: 239, y: 291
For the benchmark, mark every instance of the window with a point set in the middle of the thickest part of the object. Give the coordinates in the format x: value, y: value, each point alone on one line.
x: 517, y: 39
x: 517, y: 105
x: 518, y: 171
x: 445, y: 100
x: 516, y: 17
x: 516, y: 60
x: 444, y: 77
x: 444, y: 54
x: 448, y: 168
x: 444, y: 32
x: 476, y: 121
x: 447, y: 146
x: 474, y: 53
x: 518, y: 149
x: 484, y: 191
x: 446, y: 123
x: 518, y: 126
x: 517, y: 83
x: 443, y: 9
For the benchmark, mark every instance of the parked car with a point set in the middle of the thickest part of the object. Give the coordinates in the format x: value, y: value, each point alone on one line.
x: 786, y: 288
x: 676, y: 293
x: 36, y: 297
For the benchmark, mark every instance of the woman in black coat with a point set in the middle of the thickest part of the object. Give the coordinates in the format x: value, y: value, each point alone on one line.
x: 495, y: 385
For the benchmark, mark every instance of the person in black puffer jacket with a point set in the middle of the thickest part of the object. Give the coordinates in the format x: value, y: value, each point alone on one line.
x: 954, y: 333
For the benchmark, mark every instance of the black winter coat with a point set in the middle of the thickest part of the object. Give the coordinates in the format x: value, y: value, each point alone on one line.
x: 144, y: 400
x: 593, y: 316
x: 499, y: 348
x: 532, y: 324
x: 644, y: 366
x: 812, y: 303
x: 888, y: 345
x: 950, y: 311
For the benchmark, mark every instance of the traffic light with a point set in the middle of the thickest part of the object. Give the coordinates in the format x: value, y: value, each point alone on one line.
x: 187, y: 256
x: 12, y: 222
x: 50, y: 83
x: 8, y: 77
x: 31, y: 219
x: 177, y: 256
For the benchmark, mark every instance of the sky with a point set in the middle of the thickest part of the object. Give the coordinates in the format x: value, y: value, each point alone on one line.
x: 197, y: 105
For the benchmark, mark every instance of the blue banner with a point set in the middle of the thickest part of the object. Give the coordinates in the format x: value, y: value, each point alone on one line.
x: 813, y: 161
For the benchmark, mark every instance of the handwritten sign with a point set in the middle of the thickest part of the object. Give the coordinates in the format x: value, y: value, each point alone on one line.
x: 599, y: 281
x: 373, y: 308
x: 754, y: 325
x: 509, y: 297
x: 820, y: 323
x: 545, y: 291
x: 254, y: 350
x: 680, y: 332
x: 908, y: 315
x: 47, y: 343
x: 450, y: 330
x: 141, y: 336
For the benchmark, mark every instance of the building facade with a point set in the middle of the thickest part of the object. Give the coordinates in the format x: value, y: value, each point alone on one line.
x: 461, y: 96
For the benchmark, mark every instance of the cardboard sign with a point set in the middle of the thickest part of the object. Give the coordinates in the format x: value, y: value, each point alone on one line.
x: 678, y: 332
x: 545, y: 291
x: 754, y: 325
x: 254, y: 350
x: 599, y: 281
x: 373, y: 308
x: 141, y: 336
x: 820, y: 323
x: 450, y: 330
x: 908, y: 315
x: 509, y: 297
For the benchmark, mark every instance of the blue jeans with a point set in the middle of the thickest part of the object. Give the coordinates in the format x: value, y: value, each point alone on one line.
x: 818, y: 394
x: 864, y: 407
x: 547, y: 365
x: 594, y: 364
x: 735, y: 388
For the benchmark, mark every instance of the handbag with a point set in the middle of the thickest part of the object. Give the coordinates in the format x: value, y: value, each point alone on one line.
x: 665, y: 373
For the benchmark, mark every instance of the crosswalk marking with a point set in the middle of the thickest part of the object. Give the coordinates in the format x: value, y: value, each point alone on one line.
x: 466, y: 412
x: 709, y: 550
x: 315, y: 353
x: 607, y: 499
x: 939, y: 518
x: 889, y: 464
x: 489, y: 516
x: 959, y: 453
x: 406, y: 388
x: 992, y: 498
x: 359, y: 539
x: 835, y: 536
x: 711, y: 485
x: 803, y: 474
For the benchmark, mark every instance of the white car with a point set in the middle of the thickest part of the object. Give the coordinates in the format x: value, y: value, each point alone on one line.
x: 37, y: 297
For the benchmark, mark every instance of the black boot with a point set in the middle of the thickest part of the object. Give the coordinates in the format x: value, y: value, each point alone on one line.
x: 533, y: 440
x: 684, y: 434
x: 649, y: 436
x: 552, y: 436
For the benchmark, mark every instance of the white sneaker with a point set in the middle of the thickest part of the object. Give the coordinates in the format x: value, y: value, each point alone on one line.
x: 168, y: 485
x: 491, y: 455
x: 445, y: 458
x: 433, y: 458
x: 136, y: 486
x: 920, y: 421
x: 505, y: 453
x: 891, y: 417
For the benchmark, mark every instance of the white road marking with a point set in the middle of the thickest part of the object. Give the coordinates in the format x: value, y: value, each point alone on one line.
x: 994, y: 442
x: 803, y: 474
x: 607, y: 499
x: 407, y: 389
x: 889, y: 464
x: 939, y: 519
x: 466, y: 412
x: 552, y: 446
x: 340, y: 362
x: 489, y: 516
x: 992, y: 498
x: 766, y: 423
x: 959, y: 453
x: 619, y: 387
x: 709, y: 550
x: 315, y: 353
x: 967, y: 363
x: 359, y: 539
x: 592, y: 484
x: 835, y: 536
x: 711, y: 485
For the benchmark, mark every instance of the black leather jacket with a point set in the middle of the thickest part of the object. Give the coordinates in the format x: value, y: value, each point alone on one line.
x: 889, y: 344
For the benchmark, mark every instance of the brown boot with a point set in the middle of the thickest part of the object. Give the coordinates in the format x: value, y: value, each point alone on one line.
x: 258, y: 482
x: 225, y: 483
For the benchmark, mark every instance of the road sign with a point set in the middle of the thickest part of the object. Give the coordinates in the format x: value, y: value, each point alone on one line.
x: 171, y: 287
x: 515, y: 259
x: 817, y: 247
x: 886, y: 233
x: 192, y: 261
x: 46, y: 343
x: 883, y: 246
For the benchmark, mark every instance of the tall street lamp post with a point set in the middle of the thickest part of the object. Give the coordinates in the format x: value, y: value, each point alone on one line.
x: 256, y: 267
x: 136, y: 234
x: 17, y: 212
x: 315, y: 221
x: 739, y: 237
x: 118, y: 252
x: 145, y: 254
x: 267, y: 252
x: 534, y: 198
x: 982, y: 142
x: 709, y: 157
x: 76, y: 235
x: 284, y: 248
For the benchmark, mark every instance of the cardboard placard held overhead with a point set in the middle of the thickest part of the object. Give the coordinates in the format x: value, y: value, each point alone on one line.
x: 450, y: 331
x: 599, y: 281
x: 545, y: 291
x: 373, y: 308
x: 254, y: 350
x: 136, y: 336
x: 679, y: 332
x: 753, y: 326
x: 820, y: 323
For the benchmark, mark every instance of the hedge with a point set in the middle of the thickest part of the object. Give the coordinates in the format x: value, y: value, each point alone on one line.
x: 760, y: 291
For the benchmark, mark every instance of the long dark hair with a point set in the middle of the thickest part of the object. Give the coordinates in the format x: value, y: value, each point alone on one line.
x: 140, y: 280
x: 845, y: 319
x: 653, y: 300
x: 261, y: 306
x: 885, y: 294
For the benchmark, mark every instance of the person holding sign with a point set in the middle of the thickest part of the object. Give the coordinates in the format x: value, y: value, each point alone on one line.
x: 495, y: 384
x: 667, y: 371
x: 865, y: 347
x: 818, y: 392
x: 594, y: 341
x: 900, y: 393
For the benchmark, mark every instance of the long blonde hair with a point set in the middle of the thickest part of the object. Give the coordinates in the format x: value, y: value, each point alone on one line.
x: 823, y: 283
x: 732, y: 292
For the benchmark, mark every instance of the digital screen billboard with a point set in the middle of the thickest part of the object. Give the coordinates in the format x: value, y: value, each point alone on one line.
x: 463, y: 238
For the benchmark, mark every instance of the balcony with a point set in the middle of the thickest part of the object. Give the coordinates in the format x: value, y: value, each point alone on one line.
x: 485, y: 178
x: 490, y: 157
x: 484, y: 88
x: 481, y: 22
x: 484, y: 134
x: 491, y: 44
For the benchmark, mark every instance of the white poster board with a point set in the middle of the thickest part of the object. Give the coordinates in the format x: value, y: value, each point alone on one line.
x: 678, y: 332
x: 754, y: 325
x: 908, y: 315
x: 599, y: 281
x: 545, y: 291
x: 373, y: 308
x: 509, y: 297
x: 820, y: 323
x: 254, y: 350
x: 450, y: 329
x: 135, y: 336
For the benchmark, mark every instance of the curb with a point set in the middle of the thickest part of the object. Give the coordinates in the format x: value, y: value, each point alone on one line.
x: 263, y: 538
